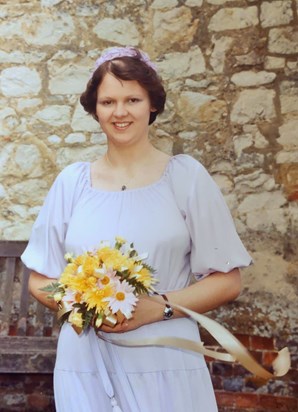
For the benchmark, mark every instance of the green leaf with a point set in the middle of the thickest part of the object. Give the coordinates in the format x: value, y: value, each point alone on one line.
x: 88, y: 318
x: 76, y: 305
x: 53, y: 287
x: 133, y: 253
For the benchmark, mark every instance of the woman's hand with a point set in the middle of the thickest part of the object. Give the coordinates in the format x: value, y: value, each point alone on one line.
x: 148, y: 310
x: 215, y: 290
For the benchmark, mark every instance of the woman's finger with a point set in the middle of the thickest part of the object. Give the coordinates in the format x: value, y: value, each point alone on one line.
x: 123, y: 327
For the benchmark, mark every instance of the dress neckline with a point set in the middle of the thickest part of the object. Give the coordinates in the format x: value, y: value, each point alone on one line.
x: 141, y: 188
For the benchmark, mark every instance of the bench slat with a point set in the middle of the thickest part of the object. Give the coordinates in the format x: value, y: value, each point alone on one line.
x: 12, y: 249
x: 8, y: 287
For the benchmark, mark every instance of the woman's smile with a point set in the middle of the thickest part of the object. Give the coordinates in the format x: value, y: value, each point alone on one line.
x: 122, y: 126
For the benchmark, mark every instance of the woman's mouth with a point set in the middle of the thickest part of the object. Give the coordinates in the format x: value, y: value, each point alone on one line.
x: 121, y: 125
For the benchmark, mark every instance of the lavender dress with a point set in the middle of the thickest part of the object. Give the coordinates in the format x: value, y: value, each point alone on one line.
x: 184, y: 224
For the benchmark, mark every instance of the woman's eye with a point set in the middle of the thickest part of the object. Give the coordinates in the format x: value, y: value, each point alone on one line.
x: 134, y: 100
x: 106, y: 102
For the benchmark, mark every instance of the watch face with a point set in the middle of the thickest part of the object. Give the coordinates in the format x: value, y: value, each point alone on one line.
x: 168, y: 312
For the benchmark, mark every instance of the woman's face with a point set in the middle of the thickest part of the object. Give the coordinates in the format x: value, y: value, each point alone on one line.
x: 123, y: 109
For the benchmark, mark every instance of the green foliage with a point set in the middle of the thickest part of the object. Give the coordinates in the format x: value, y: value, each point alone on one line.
x: 88, y: 319
x: 64, y: 318
x: 53, y: 288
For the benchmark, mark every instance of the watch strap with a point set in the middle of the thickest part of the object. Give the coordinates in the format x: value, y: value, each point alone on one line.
x: 168, y: 310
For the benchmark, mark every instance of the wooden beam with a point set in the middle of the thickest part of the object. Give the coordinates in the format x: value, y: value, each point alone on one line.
x: 12, y: 248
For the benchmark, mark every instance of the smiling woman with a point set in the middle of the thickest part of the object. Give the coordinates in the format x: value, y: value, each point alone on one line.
x: 173, y: 210
x: 131, y: 65
x: 123, y: 110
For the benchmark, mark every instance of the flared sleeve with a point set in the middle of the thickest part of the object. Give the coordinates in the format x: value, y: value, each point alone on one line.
x: 45, y: 250
x: 215, y: 244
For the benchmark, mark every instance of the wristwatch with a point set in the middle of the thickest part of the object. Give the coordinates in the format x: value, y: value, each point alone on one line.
x: 168, y: 310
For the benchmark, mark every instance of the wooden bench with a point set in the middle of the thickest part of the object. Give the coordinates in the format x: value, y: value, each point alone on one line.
x: 28, y: 330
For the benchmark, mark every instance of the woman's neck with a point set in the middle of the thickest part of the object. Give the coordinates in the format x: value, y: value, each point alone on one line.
x: 128, y: 169
x: 128, y: 158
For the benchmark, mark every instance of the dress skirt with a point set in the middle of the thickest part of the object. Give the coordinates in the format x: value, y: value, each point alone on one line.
x: 146, y: 379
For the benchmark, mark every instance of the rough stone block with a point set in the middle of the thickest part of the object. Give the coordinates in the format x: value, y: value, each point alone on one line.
x: 44, y: 29
x: 254, y: 105
x: 234, y: 18
x: 175, y: 65
x: 276, y: 13
x: 167, y: 27
x: 121, y: 31
x: 272, y: 63
x: 288, y: 134
x: 68, y: 78
x: 283, y: 40
x: 54, y: 115
x: 164, y: 4
x: 251, y: 78
x: 218, y: 56
x: 20, y: 81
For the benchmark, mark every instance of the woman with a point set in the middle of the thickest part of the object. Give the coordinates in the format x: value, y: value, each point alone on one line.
x: 167, y: 206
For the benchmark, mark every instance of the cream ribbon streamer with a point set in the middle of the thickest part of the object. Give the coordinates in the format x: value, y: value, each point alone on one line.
x: 235, y: 350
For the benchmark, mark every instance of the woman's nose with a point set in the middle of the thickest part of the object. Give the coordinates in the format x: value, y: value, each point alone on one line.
x: 120, y: 110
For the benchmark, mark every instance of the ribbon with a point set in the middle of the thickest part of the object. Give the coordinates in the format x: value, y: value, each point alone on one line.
x: 107, y: 384
x: 64, y: 308
x: 235, y: 349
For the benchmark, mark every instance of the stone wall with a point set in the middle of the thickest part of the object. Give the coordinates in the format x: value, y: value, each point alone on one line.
x: 230, y: 69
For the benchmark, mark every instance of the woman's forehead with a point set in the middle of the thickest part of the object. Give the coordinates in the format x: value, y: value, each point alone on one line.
x: 112, y: 85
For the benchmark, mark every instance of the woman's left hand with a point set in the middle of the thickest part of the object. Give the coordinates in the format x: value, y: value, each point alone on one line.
x: 147, y: 310
x: 216, y: 289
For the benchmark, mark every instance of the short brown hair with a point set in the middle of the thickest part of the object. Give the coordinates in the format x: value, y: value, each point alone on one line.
x: 131, y: 68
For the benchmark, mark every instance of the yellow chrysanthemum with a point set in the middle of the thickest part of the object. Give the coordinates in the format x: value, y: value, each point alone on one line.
x: 76, y: 319
x: 66, y: 278
x: 145, y: 276
x: 107, y: 253
x: 89, y: 265
x: 71, y: 268
x: 79, y: 260
x: 81, y: 283
x: 113, y: 258
x: 95, y: 297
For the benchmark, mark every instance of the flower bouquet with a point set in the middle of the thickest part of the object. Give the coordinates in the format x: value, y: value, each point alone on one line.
x: 101, y: 287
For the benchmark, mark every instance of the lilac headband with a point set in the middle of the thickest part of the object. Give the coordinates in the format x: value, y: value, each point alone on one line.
x: 128, y: 51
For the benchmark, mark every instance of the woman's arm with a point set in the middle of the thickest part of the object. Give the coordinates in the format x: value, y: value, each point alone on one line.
x: 207, y: 294
x: 215, y: 290
x: 38, y: 281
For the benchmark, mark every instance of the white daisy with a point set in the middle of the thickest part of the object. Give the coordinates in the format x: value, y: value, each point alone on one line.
x: 123, y: 299
x: 105, y: 276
